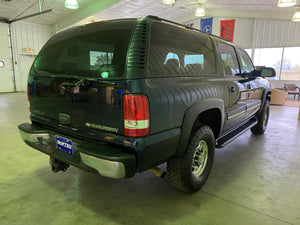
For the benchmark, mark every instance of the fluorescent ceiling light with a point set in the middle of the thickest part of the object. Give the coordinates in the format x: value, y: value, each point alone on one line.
x: 296, y: 17
x: 200, y: 12
x: 286, y: 3
x: 71, y: 4
x: 168, y: 2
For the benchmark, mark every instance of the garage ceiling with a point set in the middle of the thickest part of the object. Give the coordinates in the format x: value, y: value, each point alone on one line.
x: 181, y: 11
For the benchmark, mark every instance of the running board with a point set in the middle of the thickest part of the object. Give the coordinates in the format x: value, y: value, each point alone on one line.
x: 229, y: 137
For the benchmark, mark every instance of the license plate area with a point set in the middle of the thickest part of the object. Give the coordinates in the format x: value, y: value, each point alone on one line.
x: 64, y: 144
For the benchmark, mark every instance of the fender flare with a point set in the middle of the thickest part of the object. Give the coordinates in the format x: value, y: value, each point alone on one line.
x: 191, y: 115
x: 264, y: 97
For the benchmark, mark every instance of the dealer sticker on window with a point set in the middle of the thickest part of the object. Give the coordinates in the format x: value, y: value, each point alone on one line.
x: 64, y: 144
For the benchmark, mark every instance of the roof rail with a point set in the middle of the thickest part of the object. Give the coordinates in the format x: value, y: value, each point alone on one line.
x: 179, y: 24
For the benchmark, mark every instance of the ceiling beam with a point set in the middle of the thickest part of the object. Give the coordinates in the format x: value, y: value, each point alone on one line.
x: 89, y: 10
x: 240, y: 14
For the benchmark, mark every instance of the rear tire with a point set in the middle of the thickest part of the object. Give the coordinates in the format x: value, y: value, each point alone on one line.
x: 190, y: 171
x: 262, y: 118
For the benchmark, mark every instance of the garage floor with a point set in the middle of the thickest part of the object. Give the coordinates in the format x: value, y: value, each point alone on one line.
x: 255, y: 180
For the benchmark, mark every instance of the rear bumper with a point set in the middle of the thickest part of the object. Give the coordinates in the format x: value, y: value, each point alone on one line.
x: 108, y: 161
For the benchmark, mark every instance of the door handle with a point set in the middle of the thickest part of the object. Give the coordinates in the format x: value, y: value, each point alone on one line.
x: 231, y: 89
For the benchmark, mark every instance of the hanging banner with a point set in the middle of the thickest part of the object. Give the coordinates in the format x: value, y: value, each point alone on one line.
x: 189, y: 25
x: 206, y: 25
x: 227, y: 29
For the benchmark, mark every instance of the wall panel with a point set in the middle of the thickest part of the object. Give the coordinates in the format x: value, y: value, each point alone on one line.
x: 243, y: 31
x: 6, y: 75
x: 277, y: 33
x: 25, y: 35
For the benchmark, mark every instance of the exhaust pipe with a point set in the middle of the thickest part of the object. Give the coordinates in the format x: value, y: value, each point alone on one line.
x: 57, y: 165
x: 158, y: 172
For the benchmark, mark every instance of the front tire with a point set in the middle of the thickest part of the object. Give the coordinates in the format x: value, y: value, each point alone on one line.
x: 190, y: 171
x: 262, y: 118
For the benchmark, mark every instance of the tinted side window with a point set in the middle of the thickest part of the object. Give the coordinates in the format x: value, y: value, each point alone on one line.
x: 245, y: 61
x: 229, y: 59
x: 175, y: 51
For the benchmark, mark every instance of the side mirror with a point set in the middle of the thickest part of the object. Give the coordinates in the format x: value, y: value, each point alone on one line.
x: 267, y: 72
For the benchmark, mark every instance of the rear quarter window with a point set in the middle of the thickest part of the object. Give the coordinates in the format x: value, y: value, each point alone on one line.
x: 176, y: 51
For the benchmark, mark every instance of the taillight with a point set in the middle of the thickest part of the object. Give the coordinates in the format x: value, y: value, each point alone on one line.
x: 28, y: 98
x: 136, y: 115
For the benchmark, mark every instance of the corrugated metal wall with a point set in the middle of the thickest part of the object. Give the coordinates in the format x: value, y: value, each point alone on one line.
x: 277, y: 33
x: 266, y: 34
x: 25, y: 35
x: 6, y: 75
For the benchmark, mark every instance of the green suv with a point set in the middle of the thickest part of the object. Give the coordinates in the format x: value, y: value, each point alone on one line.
x: 123, y: 96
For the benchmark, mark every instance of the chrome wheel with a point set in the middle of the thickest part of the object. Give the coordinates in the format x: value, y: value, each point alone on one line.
x: 200, y: 158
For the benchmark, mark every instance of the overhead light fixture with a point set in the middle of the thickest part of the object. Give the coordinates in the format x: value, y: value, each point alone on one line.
x: 71, y: 4
x: 168, y: 2
x: 286, y: 3
x: 296, y: 17
x: 200, y: 12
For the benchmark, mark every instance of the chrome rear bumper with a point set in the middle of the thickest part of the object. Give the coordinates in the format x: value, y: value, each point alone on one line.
x: 106, y: 160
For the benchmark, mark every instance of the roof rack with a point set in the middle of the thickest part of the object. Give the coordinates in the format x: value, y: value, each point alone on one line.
x: 179, y: 24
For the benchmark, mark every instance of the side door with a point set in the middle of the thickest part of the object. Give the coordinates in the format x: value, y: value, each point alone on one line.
x: 236, y: 97
x: 253, y: 87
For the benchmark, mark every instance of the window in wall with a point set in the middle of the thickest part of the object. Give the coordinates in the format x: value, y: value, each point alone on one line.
x: 172, y: 56
x: 245, y: 61
x: 193, y: 59
x: 101, y: 62
x: 230, y: 62
x: 291, y: 64
x: 249, y: 51
x: 269, y: 57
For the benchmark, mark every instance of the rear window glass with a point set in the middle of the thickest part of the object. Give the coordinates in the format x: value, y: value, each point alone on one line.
x: 92, y: 50
x: 176, y: 51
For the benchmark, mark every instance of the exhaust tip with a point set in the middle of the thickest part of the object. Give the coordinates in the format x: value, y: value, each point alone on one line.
x: 158, y: 172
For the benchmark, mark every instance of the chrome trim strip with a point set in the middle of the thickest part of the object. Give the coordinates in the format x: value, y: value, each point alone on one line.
x: 253, y: 107
x: 230, y: 117
x: 106, y: 168
x: 246, y: 110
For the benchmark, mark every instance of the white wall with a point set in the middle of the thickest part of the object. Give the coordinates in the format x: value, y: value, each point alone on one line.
x: 243, y: 29
x: 259, y: 33
x: 277, y: 33
x: 25, y: 35
x: 6, y: 75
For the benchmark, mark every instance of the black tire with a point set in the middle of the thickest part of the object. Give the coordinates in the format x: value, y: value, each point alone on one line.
x: 190, y: 171
x: 262, y: 118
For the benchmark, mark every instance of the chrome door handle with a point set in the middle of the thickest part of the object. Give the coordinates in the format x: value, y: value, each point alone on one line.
x: 231, y: 89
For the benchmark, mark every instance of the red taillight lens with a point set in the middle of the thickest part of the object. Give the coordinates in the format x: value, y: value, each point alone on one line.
x: 136, y: 115
x: 28, y: 98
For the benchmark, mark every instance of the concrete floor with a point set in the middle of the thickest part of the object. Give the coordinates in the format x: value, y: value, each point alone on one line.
x: 255, y: 180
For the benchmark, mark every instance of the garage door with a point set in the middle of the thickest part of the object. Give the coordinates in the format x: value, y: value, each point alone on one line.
x: 6, y: 76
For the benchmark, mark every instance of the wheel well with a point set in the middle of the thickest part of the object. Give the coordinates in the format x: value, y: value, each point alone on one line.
x: 269, y: 96
x: 211, y: 118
